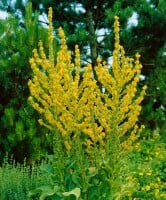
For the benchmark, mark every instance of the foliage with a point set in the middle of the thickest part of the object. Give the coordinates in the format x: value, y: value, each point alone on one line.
x: 94, y: 120
x: 136, y: 169
x: 148, y: 167
x: 20, y: 133
x: 151, y: 44
x: 16, y: 180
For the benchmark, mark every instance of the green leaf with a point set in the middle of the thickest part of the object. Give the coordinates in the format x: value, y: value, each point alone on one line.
x: 47, y: 168
x: 34, y: 192
x: 76, y: 179
x: 92, y: 171
x: 45, y: 191
x: 76, y: 192
x: 93, y: 193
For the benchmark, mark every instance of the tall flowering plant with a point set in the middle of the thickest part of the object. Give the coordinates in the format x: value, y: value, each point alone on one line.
x: 94, y: 121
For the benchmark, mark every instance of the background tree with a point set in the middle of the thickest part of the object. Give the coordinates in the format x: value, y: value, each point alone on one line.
x: 152, y: 44
x: 81, y: 21
x: 19, y: 131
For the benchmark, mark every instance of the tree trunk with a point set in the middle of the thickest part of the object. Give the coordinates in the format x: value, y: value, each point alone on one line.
x: 92, y: 37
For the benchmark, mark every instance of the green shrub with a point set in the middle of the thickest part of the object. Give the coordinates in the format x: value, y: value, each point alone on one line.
x: 16, y: 180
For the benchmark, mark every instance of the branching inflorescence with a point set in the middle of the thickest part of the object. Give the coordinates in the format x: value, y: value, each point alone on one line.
x: 75, y: 105
x: 97, y: 115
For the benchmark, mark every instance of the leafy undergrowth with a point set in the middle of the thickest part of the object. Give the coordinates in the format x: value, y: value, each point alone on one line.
x: 148, y: 168
x: 147, y: 163
x: 17, y: 179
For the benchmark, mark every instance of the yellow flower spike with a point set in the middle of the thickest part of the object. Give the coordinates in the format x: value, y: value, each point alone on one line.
x: 50, y: 36
x: 137, y: 56
x: 144, y: 87
x: 73, y: 105
x: 67, y: 145
x: 88, y: 143
x: 62, y: 37
x: 61, y: 33
x: 116, y: 31
x: 77, y: 59
x: 50, y: 13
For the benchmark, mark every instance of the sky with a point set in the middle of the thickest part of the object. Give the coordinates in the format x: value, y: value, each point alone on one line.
x: 3, y: 15
x: 132, y: 20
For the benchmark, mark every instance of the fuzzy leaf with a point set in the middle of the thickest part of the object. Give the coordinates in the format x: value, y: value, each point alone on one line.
x: 75, y: 192
x: 46, y: 168
x: 45, y: 191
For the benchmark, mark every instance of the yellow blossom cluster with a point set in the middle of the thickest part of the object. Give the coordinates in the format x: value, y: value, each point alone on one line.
x: 77, y: 105
x: 121, y: 96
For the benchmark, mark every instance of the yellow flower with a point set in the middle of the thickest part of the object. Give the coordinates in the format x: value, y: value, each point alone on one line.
x: 158, y: 179
x: 31, y: 61
x: 147, y: 187
x: 157, y: 153
x: 156, y: 186
x: 129, y: 178
x: 144, y: 87
x: 156, y: 193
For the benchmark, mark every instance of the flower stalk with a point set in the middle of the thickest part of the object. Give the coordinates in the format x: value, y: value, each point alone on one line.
x: 93, y: 128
